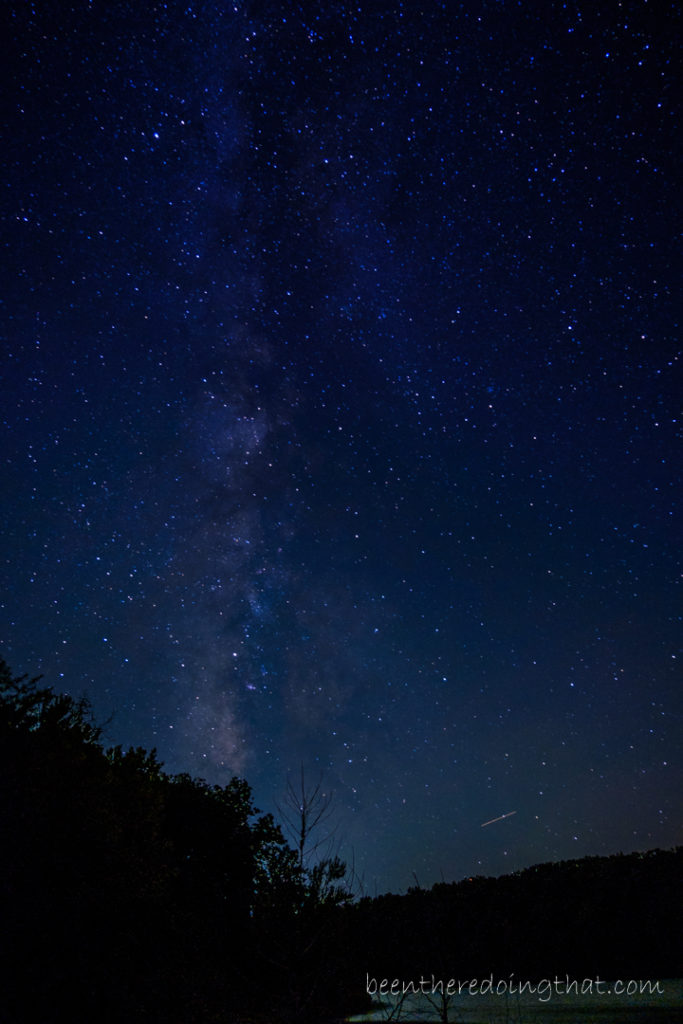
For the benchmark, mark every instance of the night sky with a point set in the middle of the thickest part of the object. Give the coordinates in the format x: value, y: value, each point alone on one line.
x: 341, y: 375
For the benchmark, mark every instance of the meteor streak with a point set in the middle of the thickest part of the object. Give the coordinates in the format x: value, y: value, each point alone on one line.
x: 508, y: 815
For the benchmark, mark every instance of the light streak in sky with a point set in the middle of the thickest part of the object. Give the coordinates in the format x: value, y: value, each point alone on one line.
x: 508, y: 815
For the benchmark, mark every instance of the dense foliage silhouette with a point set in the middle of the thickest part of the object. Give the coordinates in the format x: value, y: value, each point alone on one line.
x: 128, y: 894
x: 612, y: 917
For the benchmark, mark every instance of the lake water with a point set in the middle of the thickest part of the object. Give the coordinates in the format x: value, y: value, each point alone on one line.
x: 549, y: 1004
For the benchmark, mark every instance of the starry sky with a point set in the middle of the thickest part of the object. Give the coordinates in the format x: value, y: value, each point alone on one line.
x: 341, y: 375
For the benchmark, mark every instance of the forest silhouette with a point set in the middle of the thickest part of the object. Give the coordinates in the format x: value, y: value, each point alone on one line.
x: 130, y: 894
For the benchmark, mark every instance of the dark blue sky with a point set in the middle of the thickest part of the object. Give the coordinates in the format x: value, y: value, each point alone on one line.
x: 340, y: 391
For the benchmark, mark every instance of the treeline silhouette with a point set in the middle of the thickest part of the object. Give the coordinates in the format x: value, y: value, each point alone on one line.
x: 616, y: 917
x: 128, y: 894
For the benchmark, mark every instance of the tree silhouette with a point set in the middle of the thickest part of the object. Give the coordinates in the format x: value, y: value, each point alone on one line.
x: 131, y: 894
x: 307, y: 811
